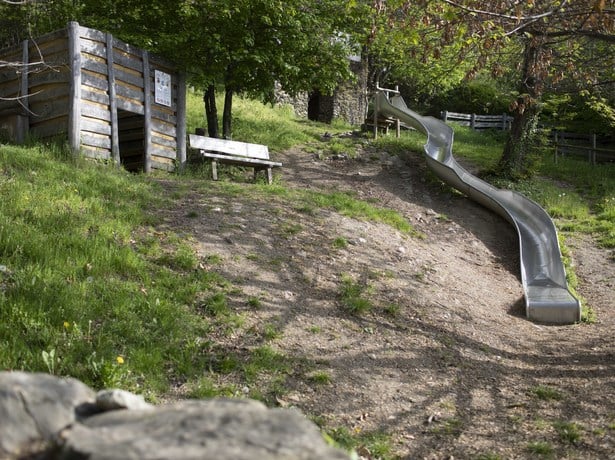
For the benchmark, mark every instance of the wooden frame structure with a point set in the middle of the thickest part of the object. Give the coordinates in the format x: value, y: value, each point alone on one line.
x: 110, y: 100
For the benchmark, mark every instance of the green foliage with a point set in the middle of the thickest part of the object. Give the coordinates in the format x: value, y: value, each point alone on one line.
x: 588, y: 203
x: 579, y: 112
x: 480, y: 96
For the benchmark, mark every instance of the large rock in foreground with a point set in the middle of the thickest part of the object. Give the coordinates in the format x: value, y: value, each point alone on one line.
x: 35, y: 407
x: 54, y: 418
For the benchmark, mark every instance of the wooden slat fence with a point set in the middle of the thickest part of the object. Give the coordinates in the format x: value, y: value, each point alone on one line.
x: 475, y: 121
x: 590, y: 146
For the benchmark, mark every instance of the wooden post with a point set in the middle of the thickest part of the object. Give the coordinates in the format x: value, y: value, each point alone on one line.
x: 147, y: 112
x: 74, y: 112
x: 444, y: 115
x: 555, y: 141
x: 375, y: 121
x: 503, y: 122
x: 397, y: 121
x: 115, y: 136
x: 472, y: 120
x: 593, y: 150
x: 180, y: 126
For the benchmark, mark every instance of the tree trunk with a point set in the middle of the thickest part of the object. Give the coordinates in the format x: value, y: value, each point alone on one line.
x: 516, y: 161
x: 211, y: 112
x: 227, y: 114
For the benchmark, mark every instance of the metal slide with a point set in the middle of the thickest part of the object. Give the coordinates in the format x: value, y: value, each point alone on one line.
x: 547, y: 297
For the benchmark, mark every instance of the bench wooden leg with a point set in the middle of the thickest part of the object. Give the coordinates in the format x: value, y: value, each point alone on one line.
x: 214, y: 170
x: 268, y: 174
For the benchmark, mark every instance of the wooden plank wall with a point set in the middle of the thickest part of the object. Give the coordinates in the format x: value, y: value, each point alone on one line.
x: 100, y: 92
x: 44, y: 79
x: 12, y: 115
x: 10, y: 81
x: 130, y: 70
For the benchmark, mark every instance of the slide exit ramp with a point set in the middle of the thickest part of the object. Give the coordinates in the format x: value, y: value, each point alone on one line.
x: 547, y: 297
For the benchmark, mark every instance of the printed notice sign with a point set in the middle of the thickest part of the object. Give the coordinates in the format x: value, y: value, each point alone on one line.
x: 162, y: 92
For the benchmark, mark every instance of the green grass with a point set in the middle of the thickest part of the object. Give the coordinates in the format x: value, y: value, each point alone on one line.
x: 340, y: 242
x: 541, y: 449
x: 568, y: 432
x: 354, y: 295
x: 86, y: 279
x: 277, y: 127
x: 319, y: 378
x: 546, y: 393
x: 378, y: 443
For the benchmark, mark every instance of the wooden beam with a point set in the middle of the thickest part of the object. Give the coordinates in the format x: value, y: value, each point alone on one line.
x: 115, y: 137
x: 180, y: 125
x: 147, y: 112
x: 74, y: 114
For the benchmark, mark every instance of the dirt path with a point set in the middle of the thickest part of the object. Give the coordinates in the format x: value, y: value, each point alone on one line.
x: 444, y: 361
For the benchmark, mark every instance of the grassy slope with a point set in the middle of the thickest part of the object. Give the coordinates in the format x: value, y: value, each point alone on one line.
x: 89, y: 288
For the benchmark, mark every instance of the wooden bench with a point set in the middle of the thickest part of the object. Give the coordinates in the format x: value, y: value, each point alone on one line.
x: 234, y: 153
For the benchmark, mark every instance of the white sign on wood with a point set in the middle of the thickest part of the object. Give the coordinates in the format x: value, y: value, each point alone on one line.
x: 162, y: 91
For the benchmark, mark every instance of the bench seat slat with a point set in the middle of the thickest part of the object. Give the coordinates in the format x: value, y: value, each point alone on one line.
x: 237, y: 148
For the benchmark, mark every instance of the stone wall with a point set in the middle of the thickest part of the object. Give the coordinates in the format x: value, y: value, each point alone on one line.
x: 348, y: 102
x: 50, y: 418
x: 350, y: 98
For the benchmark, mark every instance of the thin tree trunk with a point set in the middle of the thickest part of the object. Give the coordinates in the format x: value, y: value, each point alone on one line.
x: 516, y: 161
x: 227, y: 114
x: 211, y: 112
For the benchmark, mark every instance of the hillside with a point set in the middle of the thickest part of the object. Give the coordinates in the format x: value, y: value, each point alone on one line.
x: 383, y: 304
x: 373, y: 332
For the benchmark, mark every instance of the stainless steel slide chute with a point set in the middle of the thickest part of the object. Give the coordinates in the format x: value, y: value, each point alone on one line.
x: 547, y: 296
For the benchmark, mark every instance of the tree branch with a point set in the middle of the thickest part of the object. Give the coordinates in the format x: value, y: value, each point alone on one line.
x: 510, y: 17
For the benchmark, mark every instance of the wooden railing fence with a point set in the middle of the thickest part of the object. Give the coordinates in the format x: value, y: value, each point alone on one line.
x: 586, y: 145
x: 474, y: 121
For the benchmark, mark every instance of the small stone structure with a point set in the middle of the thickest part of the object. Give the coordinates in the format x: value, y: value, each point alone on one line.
x: 45, y: 417
x: 348, y: 102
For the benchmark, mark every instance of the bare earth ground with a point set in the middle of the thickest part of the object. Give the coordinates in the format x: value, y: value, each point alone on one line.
x: 445, y: 361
